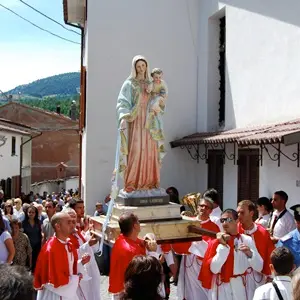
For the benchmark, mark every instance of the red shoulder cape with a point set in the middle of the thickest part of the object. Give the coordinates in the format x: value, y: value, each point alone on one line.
x: 123, y: 251
x: 75, y: 240
x: 226, y: 273
x: 263, y: 244
x: 53, y: 265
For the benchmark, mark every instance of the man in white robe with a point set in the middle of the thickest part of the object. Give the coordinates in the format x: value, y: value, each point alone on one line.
x: 89, y: 287
x: 189, y: 286
x: 57, y: 275
x: 227, y: 260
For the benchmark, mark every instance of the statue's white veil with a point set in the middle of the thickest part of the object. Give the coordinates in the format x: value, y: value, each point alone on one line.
x: 133, y: 70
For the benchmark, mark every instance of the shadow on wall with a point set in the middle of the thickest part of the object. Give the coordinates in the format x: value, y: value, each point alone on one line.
x: 230, y: 120
x: 276, y: 9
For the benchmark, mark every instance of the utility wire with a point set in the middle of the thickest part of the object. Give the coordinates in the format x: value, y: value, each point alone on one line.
x: 44, y: 15
x: 56, y: 35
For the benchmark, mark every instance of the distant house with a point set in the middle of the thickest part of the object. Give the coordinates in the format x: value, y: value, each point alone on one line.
x: 57, y: 142
x: 15, y: 157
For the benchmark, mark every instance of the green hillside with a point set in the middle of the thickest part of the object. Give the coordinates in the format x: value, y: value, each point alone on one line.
x: 58, y: 85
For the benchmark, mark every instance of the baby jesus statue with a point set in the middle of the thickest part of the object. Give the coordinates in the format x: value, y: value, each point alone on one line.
x: 158, y: 90
x: 156, y: 106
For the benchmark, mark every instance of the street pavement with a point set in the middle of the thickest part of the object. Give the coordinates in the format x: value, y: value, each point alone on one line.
x: 106, y: 296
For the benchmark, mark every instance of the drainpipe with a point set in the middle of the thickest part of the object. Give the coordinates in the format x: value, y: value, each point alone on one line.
x: 21, y: 157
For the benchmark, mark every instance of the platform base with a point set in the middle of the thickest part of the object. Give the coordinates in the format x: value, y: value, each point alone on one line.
x: 163, y: 230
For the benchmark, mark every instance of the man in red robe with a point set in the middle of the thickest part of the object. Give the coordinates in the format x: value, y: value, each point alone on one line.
x: 189, y: 287
x: 56, y: 276
x: 246, y: 210
x: 126, y: 247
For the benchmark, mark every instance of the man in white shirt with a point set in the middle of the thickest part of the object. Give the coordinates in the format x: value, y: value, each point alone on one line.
x: 282, y: 264
x: 18, y: 211
x: 282, y: 221
x: 47, y: 228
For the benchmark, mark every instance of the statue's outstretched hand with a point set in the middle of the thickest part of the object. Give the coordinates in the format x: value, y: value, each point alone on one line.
x: 123, y: 124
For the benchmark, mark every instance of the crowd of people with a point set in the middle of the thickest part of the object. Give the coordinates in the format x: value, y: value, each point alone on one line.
x: 252, y: 251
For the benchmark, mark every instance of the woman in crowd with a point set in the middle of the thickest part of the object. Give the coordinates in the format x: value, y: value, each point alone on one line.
x: 9, y: 211
x: 7, y: 249
x: 32, y: 228
x: 22, y: 245
x: 264, y: 207
x: 142, y: 279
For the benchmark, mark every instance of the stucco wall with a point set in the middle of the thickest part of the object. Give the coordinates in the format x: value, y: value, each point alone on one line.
x: 263, y: 62
x: 262, y: 79
x: 262, y: 75
x: 285, y: 177
x: 9, y: 165
x: 167, y: 35
x: 52, y: 186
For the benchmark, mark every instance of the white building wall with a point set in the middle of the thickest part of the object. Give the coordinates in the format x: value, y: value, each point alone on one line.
x: 72, y: 183
x: 263, y: 62
x: 262, y: 76
x: 166, y: 33
x: 9, y: 165
x: 181, y: 37
x: 286, y: 177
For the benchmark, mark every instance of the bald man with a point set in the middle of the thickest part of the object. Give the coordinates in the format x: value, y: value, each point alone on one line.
x: 56, y: 276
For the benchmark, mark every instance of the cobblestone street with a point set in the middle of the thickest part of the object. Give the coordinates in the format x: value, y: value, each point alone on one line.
x: 106, y: 296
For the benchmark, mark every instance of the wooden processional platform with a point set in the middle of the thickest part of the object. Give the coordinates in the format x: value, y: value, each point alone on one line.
x: 163, y: 220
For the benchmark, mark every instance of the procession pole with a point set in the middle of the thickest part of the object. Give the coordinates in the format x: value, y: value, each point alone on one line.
x: 114, y: 193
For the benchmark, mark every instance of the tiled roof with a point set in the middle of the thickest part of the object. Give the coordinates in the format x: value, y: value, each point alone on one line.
x: 263, y: 134
x: 40, y: 110
x: 17, y: 127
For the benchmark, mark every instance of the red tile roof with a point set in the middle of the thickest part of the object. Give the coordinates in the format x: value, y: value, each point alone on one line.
x: 263, y: 134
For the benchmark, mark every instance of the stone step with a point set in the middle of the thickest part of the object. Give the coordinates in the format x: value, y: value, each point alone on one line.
x: 143, y: 201
x: 148, y: 213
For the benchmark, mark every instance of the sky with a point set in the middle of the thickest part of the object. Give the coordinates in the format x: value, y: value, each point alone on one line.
x: 28, y: 53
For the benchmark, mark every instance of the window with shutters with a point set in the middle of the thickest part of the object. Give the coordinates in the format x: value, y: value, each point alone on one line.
x: 248, y: 175
x: 215, y: 172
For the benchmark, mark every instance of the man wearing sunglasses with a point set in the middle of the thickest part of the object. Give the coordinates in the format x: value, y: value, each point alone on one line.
x: 227, y: 261
x: 189, y: 287
x: 261, y: 237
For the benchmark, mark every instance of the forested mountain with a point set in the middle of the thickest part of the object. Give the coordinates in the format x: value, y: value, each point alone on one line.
x: 58, y: 85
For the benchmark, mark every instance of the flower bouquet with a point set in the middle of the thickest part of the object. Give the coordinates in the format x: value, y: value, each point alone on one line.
x: 191, y: 201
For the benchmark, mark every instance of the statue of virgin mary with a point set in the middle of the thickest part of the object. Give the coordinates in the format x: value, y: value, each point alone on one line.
x: 140, y: 153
